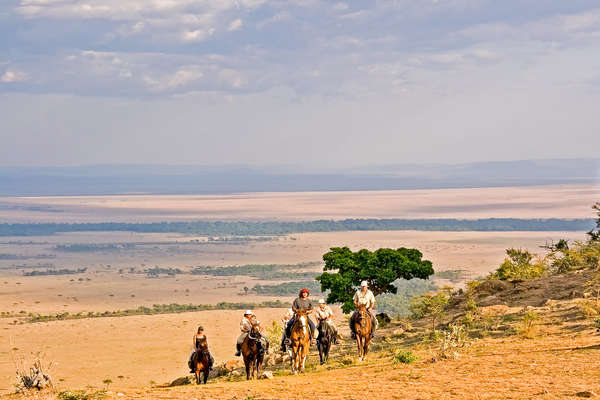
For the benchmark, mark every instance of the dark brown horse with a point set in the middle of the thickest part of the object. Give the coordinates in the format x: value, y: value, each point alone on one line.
x: 253, y: 352
x: 201, y: 360
x: 326, y: 338
x: 300, y: 341
x: 363, y: 329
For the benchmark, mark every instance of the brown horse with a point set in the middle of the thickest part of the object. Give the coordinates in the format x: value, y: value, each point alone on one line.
x: 201, y: 360
x: 363, y: 329
x: 300, y: 341
x: 253, y: 352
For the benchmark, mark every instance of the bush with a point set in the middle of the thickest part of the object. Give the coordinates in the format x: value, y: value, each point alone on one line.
x: 518, y: 265
x: 527, y: 328
x: 453, y: 339
x: 404, y: 357
x: 430, y: 306
x: 81, y: 395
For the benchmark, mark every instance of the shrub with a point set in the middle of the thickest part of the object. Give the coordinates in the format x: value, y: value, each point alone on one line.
x: 518, y: 265
x: 430, y: 305
x: 81, y: 395
x: 404, y: 357
x: 527, y: 328
x: 453, y: 339
x: 37, y: 377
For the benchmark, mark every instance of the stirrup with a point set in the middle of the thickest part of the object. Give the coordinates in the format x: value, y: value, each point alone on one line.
x: 287, y: 341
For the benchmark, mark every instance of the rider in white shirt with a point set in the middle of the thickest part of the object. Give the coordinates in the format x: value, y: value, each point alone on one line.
x: 324, y: 313
x: 364, y: 296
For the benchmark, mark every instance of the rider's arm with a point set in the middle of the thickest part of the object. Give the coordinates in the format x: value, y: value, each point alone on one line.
x: 194, y: 341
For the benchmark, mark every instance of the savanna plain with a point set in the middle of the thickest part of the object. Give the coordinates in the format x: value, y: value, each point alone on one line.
x: 116, y: 271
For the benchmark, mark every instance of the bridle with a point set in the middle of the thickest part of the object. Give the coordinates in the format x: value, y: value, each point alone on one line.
x: 257, y: 332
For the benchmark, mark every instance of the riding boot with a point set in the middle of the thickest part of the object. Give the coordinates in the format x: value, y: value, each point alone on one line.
x: 283, y: 347
x: 239, y: 349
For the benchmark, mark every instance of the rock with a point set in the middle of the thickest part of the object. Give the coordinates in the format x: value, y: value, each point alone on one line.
x: 398, y: 332
x: 236, y: 373
x: 119, y: 394
x: 233, y: 364
x: 184, y: 380
x: 586, y: 393
x: 267, y: 375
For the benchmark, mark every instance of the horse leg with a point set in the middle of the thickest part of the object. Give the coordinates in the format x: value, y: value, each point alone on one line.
x: 358, y: 345
x: 197, y: 373
x: 320, y: 347
x: 247, y: 364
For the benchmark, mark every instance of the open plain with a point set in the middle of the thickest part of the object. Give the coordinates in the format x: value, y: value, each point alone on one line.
x: 134, y: 351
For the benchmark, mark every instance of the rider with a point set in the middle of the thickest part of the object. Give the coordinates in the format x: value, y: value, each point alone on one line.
x: 246, y: 323
x: 197, y: 337
x: 302, y: 302
x: 366, y: 297
x: 324, y: 313
x: 285, y: 319
x: 245, y: 326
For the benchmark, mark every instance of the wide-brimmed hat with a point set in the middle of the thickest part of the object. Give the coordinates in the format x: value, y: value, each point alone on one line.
x: 364, y: 283
x: 321, y: 301
x: 248, y: 312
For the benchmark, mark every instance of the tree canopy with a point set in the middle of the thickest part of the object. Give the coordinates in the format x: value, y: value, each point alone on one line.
x: 595, y: 235
x: 379, y: 268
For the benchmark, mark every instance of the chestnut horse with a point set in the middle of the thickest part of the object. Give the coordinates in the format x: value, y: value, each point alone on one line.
x: 363, y: 329
x: 201, y: 360
x: 253, y: 352
x: 300, y: 341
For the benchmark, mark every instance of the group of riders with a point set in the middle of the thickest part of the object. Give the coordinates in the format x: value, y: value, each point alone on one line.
x: 322, y: 313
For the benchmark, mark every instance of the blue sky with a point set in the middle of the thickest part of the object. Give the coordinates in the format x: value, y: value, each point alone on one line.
x: 302, y: 82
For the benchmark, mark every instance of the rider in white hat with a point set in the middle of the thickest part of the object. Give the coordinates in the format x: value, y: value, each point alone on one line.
x: 245, y: 326
x: 323, y: 313
x: 366, y: 297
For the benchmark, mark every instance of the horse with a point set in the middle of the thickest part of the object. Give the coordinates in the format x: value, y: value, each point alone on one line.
x: 201, y: 360
x: 326, y: 337
x: 253, y: 352
x: 363, y: 329
x: 300, y: 341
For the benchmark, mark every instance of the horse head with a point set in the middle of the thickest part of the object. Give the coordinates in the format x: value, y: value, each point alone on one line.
x: 254, y: 333
x: 363, y: 314
x: 201, y: 343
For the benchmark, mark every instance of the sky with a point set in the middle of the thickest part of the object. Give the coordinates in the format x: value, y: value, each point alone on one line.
x: 297, y: 82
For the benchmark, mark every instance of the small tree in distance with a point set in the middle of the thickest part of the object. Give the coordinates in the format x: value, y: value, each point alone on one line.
x: 379, y: 268
x: 595, y: 235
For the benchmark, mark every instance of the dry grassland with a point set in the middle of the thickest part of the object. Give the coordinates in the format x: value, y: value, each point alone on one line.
x: 551, y: 201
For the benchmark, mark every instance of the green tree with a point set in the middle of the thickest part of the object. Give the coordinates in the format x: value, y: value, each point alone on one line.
x: 431, y: 305
x: 595, y: 235
x: 379, y: 268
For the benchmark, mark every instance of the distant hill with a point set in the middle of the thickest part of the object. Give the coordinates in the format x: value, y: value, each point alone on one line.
x: 168, y: 179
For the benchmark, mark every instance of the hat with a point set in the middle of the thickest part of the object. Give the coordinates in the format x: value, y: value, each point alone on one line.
x: 364, y: 283
x: 321, y: 301
x: 248, y: 312
x: 305, y: 290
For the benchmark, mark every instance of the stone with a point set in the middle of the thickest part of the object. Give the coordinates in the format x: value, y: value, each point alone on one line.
x: 267, y: 375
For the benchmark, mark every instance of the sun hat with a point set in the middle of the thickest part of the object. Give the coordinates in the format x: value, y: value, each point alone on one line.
x: 364, y: 283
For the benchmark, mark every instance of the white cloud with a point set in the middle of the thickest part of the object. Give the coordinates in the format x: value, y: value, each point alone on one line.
x: 12, y: 76
x: 182, y: 77
x: 233, y: 78
x: 340, y: 6
x: 235, y: 25
x: 197, y: 35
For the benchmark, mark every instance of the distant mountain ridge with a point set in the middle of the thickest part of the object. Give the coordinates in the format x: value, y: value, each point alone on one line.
x: 190, y: 179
